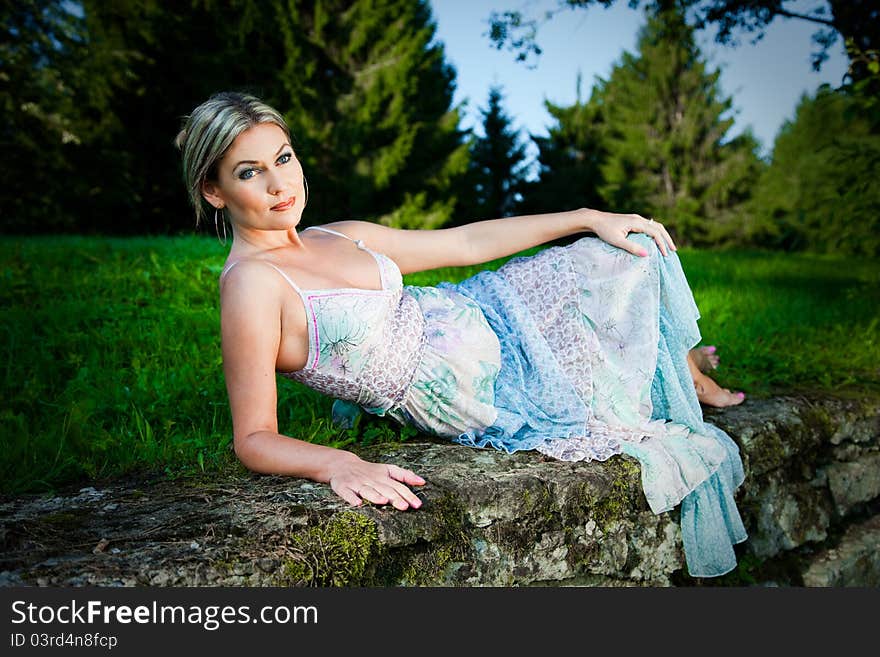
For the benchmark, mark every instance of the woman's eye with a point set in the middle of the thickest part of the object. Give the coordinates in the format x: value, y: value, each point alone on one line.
x: 247, y: 174
x: 285, y: 158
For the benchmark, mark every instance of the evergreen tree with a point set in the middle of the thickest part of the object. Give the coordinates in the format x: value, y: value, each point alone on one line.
x: 364, y: 87
x: 664, y: 128
x: 820, y: 192
x: 497, y: 162
x: 569, y: 160
x: 40, y: 45
x: 370, y: 101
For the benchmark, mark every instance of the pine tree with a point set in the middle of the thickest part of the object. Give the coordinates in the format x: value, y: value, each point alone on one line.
x: 665, y: 125
x: 40, y: 45
x: 820, y: 192
x: 497, y: 162
x: 369, y: 97
x: 569, y: 160
x: 366, y: 90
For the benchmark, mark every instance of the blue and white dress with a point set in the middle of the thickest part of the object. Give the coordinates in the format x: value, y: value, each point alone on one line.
x: 578, y: 352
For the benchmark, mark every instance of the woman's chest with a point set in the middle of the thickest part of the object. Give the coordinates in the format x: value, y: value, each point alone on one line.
x: 332, y: 328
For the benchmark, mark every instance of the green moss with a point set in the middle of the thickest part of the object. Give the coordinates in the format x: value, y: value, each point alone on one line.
x: 543, y: 506
x: 540, y: 513
x: 769, y: 450
x: 426, y: 564
x: 223, y: 566
x: 453, y: 520
x: 621, y: 497
x: 749, y: 571
x: 346, y: 551
x: 818, y: 419
x: 342, y: 552
x: 426, y: 568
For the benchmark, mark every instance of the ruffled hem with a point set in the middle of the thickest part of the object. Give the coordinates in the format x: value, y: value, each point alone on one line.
x: 591, y: 411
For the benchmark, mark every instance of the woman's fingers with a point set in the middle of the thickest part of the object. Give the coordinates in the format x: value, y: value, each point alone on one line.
x: 396, y: 490
x: 349, y: 495
x: 668, y: 237
x: 629, y: 245
x: 398, y: 495
x: 379, y: 484
x: 404, y: 475
x: 653, y: 230
x: 614, y: 229
x: 660, y: 243
x: 371, y: 493
x: 660, y: 235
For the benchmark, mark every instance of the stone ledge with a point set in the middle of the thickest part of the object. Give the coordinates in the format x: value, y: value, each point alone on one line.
x: 854, y: 560
x: 488, y: 518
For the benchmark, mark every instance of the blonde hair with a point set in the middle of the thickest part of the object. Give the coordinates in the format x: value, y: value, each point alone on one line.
x: 210, y: 130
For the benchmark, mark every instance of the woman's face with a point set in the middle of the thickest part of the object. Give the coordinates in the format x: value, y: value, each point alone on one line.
x: 259, y: 180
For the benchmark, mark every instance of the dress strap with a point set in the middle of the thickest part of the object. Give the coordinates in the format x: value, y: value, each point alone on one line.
x: 358, y: 243
x: 226, y: 269
x: 286, y: 277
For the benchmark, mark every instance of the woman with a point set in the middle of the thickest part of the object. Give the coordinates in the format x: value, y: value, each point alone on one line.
x: 557, y: 352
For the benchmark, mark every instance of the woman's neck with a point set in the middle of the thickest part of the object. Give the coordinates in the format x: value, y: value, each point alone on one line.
x: 250, y: 242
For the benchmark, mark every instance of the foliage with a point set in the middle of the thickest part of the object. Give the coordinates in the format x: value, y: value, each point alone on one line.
x: 820, y: 191
x: 113, y: 364
x: 651, y: 140
x: 369, y: 96
x: 857, y: 22
x: 497, y: 168
x: 95, y: 92
x: 666, y: 122
x: 570, y: 159
x: 39, y: 43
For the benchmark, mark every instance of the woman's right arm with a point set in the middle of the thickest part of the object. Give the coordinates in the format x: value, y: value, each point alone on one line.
x: 250, y: 319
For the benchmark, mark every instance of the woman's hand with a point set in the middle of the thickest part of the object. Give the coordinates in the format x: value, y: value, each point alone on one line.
x: 356, y: 480
x: 613, y: 228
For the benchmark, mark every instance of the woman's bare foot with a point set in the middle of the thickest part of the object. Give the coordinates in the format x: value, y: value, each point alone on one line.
x: 709, y: 392
x: 705, y: 358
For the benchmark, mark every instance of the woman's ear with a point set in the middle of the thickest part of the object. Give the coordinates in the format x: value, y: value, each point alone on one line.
x: 211, y: 193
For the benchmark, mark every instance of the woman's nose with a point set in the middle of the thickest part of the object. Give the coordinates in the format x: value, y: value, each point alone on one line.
x: 276, y: 183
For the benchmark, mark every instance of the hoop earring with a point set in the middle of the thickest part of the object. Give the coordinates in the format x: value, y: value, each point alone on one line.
x: 306, y: 185
x: 216, y: 211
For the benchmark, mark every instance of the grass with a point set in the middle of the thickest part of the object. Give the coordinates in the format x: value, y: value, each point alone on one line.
x: 112, y: 360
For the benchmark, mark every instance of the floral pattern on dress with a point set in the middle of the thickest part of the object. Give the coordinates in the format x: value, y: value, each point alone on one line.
x: 594, y: 345
x: 453, y: 387
x: 577, y: 352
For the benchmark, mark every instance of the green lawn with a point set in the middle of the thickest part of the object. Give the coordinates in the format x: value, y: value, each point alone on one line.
x: 113, y: 365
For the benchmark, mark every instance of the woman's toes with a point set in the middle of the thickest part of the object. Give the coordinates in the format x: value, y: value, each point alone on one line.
x: 705, y: 358
x: 711, y: 394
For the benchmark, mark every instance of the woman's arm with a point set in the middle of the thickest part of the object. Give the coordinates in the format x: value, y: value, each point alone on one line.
x: 482, y: 241
x: 251, y: 336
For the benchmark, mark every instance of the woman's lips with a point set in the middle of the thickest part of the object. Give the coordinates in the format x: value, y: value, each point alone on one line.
x: 286, y: 205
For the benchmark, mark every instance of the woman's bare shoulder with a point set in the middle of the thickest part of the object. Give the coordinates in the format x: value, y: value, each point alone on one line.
x: 249, y: 282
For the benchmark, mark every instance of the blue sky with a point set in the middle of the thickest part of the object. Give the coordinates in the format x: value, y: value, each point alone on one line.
x: 765, y: 80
